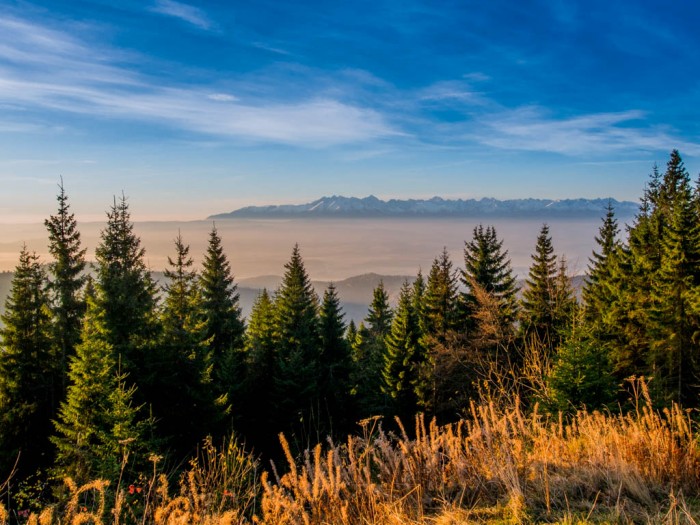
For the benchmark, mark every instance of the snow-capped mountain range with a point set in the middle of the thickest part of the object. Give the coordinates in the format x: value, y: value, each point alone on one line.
x: 339, y: 206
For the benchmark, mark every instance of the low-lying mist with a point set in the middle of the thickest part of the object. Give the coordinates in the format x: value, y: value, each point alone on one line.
x: 332, y: 249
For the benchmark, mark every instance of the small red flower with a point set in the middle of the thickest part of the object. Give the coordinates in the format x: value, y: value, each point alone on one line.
x: 138, y: 490
x: 132, y: 489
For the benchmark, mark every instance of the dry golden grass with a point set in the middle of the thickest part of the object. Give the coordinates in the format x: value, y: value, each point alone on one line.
x: 500, y: 465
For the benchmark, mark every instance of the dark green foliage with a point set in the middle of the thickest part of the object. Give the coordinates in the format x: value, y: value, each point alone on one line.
x: 189, y: 409
x: 224, y: 328
x: 440, y: 299
x: 404, y: 358
x: 581, y: 375
x: 66, y: 281
x: 30, y: 370
x: 674, y: 318
x: 98, y: 428
x: 368, y: 351
x: 487, y: 267
x: 546, y: 302
x: 298, y: 350
x: 126, y: 296
x: 335, y: 365
x: 257, y: 410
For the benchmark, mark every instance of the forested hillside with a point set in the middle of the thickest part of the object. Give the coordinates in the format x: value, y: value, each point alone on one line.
x: 100, y: 375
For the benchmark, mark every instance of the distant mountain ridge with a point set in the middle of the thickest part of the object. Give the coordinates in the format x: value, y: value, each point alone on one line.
x: 339, y: 206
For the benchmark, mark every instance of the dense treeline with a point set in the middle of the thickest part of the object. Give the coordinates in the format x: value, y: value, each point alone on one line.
x: 97, y: 374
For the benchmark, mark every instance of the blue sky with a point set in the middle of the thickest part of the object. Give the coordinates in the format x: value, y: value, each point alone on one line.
x: 198, y: 108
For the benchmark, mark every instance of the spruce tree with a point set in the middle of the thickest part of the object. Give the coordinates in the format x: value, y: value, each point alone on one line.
x: 223, y: 321
x: 126, y: 297
x: 596, y: 293
x: 674, y: 316
x: 335, y: 364
x: 29, y: 370
x: 98, y: 427
x: 582, y: 374
x: 257, y: 407
x: 487, y: 266
x: 368, y: 351
x: 67, y: 279
x: 298, y: 349
x: 404, y: 357
x: 440, y: 299
x: 539, y: 296
x: 189, y: 410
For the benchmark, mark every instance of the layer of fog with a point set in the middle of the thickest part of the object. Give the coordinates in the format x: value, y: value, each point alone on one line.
x: 332, y: 249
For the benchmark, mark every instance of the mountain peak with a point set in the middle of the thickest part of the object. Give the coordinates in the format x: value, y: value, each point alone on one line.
x: 371, y: 206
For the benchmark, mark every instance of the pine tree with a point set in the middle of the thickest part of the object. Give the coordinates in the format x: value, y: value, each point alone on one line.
x: 368, y: 351
x: 67, y: 279
x: 539, y: 296
x: 257, y: 407
x: 335, y: 364
x: 596, y: 289
x: 224, y: 324
x: 581, y: 375
x: 404, y: 357
x: 190, y: 408
x: 674, y: 316
x: 126, y: 296
x: 487, y: 266
x: 29, y: 370
x: 440, y: 299
x: 298, y: 347
x: 98, y: 426
x: 380, y: 315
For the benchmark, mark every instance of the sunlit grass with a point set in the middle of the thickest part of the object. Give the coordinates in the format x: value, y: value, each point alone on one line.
x: 499, y: 465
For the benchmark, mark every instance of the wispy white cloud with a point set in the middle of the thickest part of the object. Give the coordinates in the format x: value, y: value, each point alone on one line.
x: 532, y: 129
x: 184, y: 12
x: 47, y: 69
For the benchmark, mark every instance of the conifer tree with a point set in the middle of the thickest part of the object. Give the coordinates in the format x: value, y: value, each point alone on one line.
x: 98, y: 426
x: 487, y: 266
x: 335, y: 363
x: 539, y: 296
x: 351, y: 332
x: 582, y: 374
x: 223, y: 321
x: 189, y: 410
x: 368, y: 351
x: 440, y: 298
x: 380, y: 315
x: 29, y: 370
x: 298, y: 346
x: 126, y: 296
x: 674, y: 316
x: 257, y: 407
x: 404, y: 357
x: 67, y: 279
x: 596, y: 289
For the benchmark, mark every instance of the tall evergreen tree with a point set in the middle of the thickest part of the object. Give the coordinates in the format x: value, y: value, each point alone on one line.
x: 487, y: 266
x: 539, y: 296
x: 257, y: 408
x: 126, y: 296
x: 596, y: 293
x: 67, y: 279
x: 368, y: 351
x: 29, y: 370
x: 298, y: 349
x: 191, y: 408
x: 440, y: 298
x: 335, y: 364
x: 223, y: 321
x: 98, y: 428
x: 404, y: 357
x: 674, y: 316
